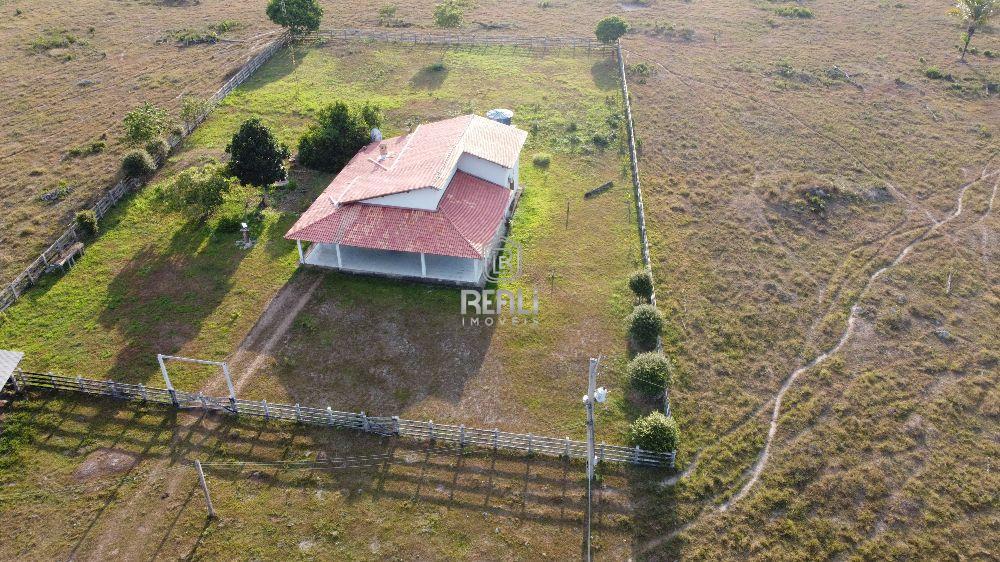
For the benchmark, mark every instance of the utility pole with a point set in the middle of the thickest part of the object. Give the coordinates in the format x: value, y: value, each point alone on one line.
x: 594, y: 394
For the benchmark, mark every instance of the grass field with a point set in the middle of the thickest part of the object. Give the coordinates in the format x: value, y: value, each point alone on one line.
x: 93, y: 479
x: 785, y: 160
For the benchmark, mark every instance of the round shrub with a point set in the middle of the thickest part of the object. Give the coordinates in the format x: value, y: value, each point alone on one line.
x: 138, y: 163
x: 644, y: 325
x: 542, y: 160
x: 641, y: 283
x: 87, y: 222
x: 650, y: 373
x: 655, y: 432
x: 158, y: 149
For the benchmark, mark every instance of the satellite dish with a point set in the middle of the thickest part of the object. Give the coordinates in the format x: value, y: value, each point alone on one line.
x: 376, y: 135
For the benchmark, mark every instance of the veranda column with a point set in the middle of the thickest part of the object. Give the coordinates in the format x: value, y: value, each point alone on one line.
x: 337, y: 246
x: 423, y: 265
x: 302, y: 258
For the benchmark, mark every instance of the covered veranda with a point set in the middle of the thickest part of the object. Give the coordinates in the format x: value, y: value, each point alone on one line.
x: 402, y: 265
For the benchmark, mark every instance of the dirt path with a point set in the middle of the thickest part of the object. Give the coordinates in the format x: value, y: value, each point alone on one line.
x: 169, y: 484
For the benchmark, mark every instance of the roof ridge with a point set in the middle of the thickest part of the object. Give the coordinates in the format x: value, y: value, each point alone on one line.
x: 459, y: 143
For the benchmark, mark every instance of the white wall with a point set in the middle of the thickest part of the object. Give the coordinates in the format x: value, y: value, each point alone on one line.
x: 486, y: 170
x: 426, y: 198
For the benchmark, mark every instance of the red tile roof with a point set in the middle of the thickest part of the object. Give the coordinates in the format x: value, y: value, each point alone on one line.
x: 468, y: 217
x: 469, y: 211
x: 425, y: 158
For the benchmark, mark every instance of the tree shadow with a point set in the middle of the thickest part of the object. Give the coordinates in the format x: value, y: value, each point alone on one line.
x: 282, y: 64
x: 605, y: 74
x: 369, y: 344
x: 159, y: 301
x: 430, y: 77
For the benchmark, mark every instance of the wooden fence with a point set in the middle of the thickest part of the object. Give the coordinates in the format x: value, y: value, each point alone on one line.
x: 13, y: 291
x: 534, y: 44
x: 418, y: 430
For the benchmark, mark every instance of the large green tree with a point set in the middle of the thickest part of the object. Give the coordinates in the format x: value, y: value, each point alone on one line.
x: 299, y: 16
x: 610, y: 29
x: 337, y: 136
x: 974, y: 14
x: 257, y: 156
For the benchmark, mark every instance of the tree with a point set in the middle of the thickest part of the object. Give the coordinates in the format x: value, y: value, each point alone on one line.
x: 138, y: 163
x: 337, y: 136
x: 449, y: 13
x: 610, y: 29
x: 192, y: 109
x: 202, y: 187
x: 645, y: 324
x: 145, y: 123
x: 299, y: 16
x: 257, y: 156
x: 650, y: 373
x: 974, y: 14
x: 641, y: 283
x: 655, y: 432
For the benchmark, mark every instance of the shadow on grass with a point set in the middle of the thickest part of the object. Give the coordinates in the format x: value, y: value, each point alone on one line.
x: 605, y: 74
x: 430, y: 77
x: 376, y: 345
x: 161, y: 298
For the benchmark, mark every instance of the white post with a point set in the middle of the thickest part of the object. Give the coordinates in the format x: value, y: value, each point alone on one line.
x: 339, y: 263
x: 423, y: 265
x: 298, y: 413
x: 591, y: 387
x: 267, y: 412
x: 302, y: 257
x: 229, y: 383
x: 204, y: 488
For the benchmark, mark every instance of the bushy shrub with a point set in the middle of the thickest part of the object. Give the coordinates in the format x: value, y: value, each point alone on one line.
x: 655, y: 432
x: 794, y: 12
x: 203, y: 187
x: 644, y: 325
x: 144, y: 124
x: 650, y: 373
x: 238, y: 205
x: 610, y: 29
x: 337, y: 136
x: 159, y: 149
x: 87, y: 222
x: 641, y: 283
x: 257, y: 156
x: 542, y: 160
x: 935, y: 73
x: 449, y: 13
x: 138, y: 163
x: 89, y: 149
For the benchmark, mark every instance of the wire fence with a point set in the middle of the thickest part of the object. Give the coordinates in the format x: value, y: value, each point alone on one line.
x: 534, y: 44
x: 72, y: 235
x: 639, y: 204
x: 378, y: 425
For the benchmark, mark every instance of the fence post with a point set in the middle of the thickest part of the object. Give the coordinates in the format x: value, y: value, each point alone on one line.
x: 635, y: 456
x: 142, y: 392
x: 395, y: 424
x: 673, y: 459
x: 204, y: 402
x: 567, y: 447
x: 17, y: 385
x: 267, y: 413
x: 601, y: 456
x: 430, y: 430
x: 365, y: 425
x: 461, y: 435
x: 204, y: 488
x: 173, y: 398
x: 298, y: 413
x: 531, y: 439
x: 79, y: 382
x: 329, y: 415
x: 52, y: 379
x: 496, y: 438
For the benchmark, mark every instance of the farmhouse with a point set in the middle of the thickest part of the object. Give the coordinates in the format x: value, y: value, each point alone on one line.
x: 430, y: 205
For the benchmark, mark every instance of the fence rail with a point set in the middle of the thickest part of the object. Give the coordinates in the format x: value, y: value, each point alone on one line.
x: 543, y: 44
x: 417, y: 430
x: 29, y: 276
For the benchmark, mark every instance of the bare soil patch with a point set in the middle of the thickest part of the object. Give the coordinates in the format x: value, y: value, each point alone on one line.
x: 103, y: 463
